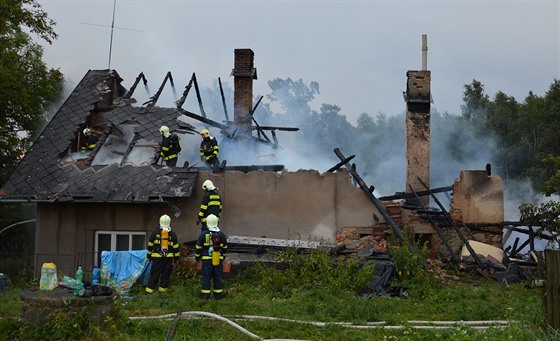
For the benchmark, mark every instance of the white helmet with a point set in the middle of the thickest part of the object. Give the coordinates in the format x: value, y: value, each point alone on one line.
x: 212, y: 223
x: 87, y: 131
x: 164, y: 222
x: 208, y: 186
x: 164, y: 130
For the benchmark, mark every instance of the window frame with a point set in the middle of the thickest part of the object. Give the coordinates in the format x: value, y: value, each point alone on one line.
x: 114, y: 234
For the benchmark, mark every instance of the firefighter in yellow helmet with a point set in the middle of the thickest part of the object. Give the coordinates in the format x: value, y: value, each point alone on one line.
x: 209, y: 149
x: 163, y: 251
x: 211, y: 203
x: 170, y: 147
x: 211, y: 249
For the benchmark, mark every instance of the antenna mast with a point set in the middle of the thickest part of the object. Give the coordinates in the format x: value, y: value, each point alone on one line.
x: 112, y: 27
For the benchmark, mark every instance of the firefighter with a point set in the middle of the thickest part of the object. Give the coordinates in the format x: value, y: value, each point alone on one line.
x: 170, y: 147
x: 89, y: 141
x: 209, y: 149
x: 211, y: 203
x: 211, y: 249
x: 163, y: 252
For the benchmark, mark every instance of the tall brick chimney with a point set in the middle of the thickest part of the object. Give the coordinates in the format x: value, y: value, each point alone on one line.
x: 243, y: 73
x: 418, y: 132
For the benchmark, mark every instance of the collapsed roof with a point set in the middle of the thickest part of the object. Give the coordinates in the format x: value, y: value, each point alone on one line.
x: 54, y: 168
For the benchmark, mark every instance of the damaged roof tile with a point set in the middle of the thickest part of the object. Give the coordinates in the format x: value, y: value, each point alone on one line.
x: 51, y: 171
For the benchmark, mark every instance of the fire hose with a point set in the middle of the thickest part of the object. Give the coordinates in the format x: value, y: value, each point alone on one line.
x: 477, y: 325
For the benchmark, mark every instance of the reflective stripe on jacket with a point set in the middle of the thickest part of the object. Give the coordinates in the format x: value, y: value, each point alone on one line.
x: 204, y: 242
x: 211, y: 203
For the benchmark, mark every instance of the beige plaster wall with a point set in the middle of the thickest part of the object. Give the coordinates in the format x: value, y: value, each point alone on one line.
x: 478, y: 198
x: 303, y: 205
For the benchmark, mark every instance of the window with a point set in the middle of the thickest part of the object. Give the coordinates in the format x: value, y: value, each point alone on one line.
x: 118, y: 241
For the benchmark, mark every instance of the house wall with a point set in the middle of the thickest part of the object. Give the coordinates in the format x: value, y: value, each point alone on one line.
x: 302, y: 205
x: 478, y: 198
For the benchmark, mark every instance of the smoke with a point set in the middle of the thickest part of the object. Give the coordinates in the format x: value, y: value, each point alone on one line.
x: 517, y: 193
x: 378, y: 144
x: 115, y: 147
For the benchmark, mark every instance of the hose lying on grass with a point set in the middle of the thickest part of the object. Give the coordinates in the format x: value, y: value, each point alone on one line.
x: 478, y: 325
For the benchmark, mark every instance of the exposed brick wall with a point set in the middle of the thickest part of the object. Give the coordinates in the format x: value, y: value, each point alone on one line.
x: 418, y: 132
x: 244, y: 74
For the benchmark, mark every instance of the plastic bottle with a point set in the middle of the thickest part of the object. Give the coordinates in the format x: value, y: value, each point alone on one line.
x: 104, y: 274
x: 79, y: 280
x: 48, y: 279
x: 95, y: 276
x: 44, y: 281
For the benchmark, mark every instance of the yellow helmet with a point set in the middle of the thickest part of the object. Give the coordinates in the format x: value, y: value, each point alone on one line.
x: 164, y: 130
x: 164, y: 221
x: 204, y: 133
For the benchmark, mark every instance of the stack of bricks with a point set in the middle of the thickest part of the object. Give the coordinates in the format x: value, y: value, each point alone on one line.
x: 394, y: 209
x: 354, y: 238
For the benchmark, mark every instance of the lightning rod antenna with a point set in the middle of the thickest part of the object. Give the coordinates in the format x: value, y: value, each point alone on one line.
x: 112, y: 27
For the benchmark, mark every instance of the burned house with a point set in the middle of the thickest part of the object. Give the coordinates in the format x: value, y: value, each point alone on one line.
x: 110, y: 198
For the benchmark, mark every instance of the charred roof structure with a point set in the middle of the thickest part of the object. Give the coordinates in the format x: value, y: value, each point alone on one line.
x: 118, y: 170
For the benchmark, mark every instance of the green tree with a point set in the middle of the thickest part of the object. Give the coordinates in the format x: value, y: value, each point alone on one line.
x: 551, y: 167
x: 502, y: 119
x: 294, y: 98
x: 475, y: 100
x: 28, y: 86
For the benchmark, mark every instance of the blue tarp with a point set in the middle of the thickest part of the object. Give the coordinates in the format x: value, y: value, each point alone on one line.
x: 126, y: 268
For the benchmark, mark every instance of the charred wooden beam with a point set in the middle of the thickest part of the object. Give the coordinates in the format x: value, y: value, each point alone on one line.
x: 198, y: 97
x: 153, y: 100
x: 526, y: 231
x: 274, y: 138
x: 340, y: 164
x: 436, y: 227
x: 138, y: 78
x: 259, y: 130
x: 181, y: 100
x: 411, y: 195
x: 204, y: 119
x: 455, y: 227
x: 278, y: 128
x: 245, y: 169
x: 223, y: 99
x: 378, y: 204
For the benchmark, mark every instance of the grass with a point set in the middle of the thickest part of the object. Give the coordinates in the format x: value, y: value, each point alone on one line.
x: 312, y: 288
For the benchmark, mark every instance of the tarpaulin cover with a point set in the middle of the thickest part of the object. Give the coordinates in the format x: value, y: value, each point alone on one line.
x: 125, y: 268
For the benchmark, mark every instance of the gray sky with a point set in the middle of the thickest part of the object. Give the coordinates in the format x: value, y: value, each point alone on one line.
x: 358, y: 51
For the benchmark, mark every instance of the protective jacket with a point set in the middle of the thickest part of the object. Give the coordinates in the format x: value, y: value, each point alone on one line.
x: 209, y: 149
x: 207, y: 241
x: 90, y: 141
x: 170, y: 147
x: 211, y: 203
x: 155, y: 242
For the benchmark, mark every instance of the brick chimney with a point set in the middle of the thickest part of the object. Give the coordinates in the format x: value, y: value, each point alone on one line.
x: 418, y: 99
x: 243, y: 73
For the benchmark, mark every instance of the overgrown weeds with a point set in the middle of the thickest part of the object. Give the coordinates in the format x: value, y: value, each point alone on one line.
x: 307, y: 287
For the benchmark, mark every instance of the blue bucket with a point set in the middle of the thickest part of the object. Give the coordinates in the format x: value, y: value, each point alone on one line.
x: 3, y: 282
